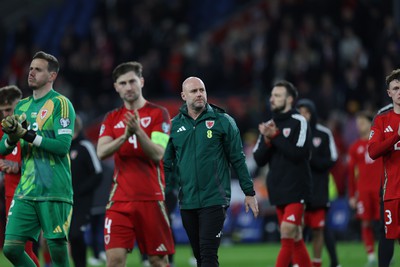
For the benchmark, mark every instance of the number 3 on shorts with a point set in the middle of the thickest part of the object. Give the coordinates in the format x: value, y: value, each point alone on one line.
x: 388, y: 216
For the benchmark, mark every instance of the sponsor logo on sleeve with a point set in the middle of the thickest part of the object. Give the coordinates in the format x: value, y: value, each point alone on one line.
x: 102, y: 128
x: 165, y: 127
x: 65, y: 122
x: 64, y: 131
x: 371, y: 134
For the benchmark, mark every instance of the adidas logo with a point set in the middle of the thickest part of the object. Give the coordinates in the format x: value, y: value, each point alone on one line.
x: 57, y: 230
x: 181, y: 129
x: 219, y: 235
x: 291, y: 218
x: 161, y: 248
x: 119, y: 125
x: 388, y: 129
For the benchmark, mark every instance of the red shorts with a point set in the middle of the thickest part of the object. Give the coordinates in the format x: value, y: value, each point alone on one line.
x: 368, y: 206
x: 392, y: 219
x: 145, y: 222
x: 315, y: 218
x: 291, y: 213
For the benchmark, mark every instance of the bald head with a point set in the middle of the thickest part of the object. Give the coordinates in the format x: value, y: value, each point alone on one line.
x: 194, y: 94
x: 192, y: 82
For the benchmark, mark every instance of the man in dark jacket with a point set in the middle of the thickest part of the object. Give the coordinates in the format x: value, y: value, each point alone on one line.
x: 323, y: 157
x: 204, y: 142
x: 86, y: 175
x: 285, y: 144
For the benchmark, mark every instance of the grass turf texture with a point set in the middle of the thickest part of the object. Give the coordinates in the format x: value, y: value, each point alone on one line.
x: 351, y: 254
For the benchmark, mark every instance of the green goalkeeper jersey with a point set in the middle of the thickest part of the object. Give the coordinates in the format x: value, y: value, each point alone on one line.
x: 46, y: 166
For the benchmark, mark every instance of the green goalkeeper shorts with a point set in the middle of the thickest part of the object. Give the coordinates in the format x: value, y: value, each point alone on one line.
x: 26, y: 218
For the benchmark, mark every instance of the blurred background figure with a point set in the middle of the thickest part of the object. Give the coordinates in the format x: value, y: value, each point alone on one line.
x: 87, y: 173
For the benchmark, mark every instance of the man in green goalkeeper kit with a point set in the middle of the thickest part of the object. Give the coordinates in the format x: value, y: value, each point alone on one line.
x: 43, y: 123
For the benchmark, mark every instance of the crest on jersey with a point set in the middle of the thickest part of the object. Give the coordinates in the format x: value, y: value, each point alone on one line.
x: 210, y: 124
x: 65, y: 122
x: 316, y: 141
x: 74, y: 154
x: 43, y: 113
x: 165, y: 127
x: 286, y: 132
x: 145, y: 121
x: 107, y: 239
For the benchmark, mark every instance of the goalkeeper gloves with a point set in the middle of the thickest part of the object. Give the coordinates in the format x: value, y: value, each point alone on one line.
x: 13, y: 128
x: 16, y: 127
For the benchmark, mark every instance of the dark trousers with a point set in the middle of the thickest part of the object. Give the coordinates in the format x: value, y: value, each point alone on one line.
x: 204, y: 229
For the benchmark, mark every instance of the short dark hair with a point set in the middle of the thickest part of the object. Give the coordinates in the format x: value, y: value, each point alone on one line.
x: 290, y: 88
x: 394, y: 75
x: 125, y: 67
x: 9, y: 93
x: 52, y: 61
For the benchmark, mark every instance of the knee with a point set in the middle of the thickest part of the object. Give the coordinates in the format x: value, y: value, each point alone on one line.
x: 13, y: 251
x: 158, y: 260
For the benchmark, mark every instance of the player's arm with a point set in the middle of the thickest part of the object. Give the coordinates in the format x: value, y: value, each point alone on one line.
x: 169, y: 167
x: 378, y: 145
x: 107, y: 145
x: 58, y: 143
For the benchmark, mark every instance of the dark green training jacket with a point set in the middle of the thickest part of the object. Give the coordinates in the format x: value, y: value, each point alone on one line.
x: 199, y: 155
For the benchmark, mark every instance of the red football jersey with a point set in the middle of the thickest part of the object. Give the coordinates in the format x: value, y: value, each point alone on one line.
x: 364, y: 172
x: 136, y: 176
x: 384, y: 142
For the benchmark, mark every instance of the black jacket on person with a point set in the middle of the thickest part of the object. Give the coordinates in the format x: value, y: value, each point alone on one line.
x: 86, y: 173
x: 323, y: 157
x: 288, y: 154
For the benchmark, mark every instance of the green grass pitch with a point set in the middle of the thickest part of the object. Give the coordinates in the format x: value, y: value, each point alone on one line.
x: 351, y: 254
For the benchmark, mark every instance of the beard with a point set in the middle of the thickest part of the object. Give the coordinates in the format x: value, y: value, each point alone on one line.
x: 278, y: 109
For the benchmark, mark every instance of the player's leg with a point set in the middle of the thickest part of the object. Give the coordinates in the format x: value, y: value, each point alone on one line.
x: 317, y: 244
x: 153, y: 232
x: 190, y: 221
x: 55, y: 218
x: 29, y: 244
x: 22, y: 225
x: 386, y: 246
x: 365, y: 211
x: 330, y: 244
x: 119, y: 234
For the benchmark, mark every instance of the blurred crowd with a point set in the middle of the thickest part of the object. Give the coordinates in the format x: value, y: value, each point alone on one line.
x: 336, y: 52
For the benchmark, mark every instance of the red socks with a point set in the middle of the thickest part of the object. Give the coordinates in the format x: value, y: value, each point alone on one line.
x: 300, y: 254
x: 368, y: 239
x: 286, y: 252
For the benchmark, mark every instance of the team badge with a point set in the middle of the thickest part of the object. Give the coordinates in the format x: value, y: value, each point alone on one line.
x: 65, y: 122
x: 107, y: 239
x: 210, y: 124
x: 145, y: 121
x: 73, y: 154
x: 286, y: 132
x: 43, y: 113
x: 165, y: 127
x: 316, y: 141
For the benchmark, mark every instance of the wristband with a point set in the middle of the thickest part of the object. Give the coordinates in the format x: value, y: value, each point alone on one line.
x: 9, y: 144
x: 31, y: 137
x: 250, y: 194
